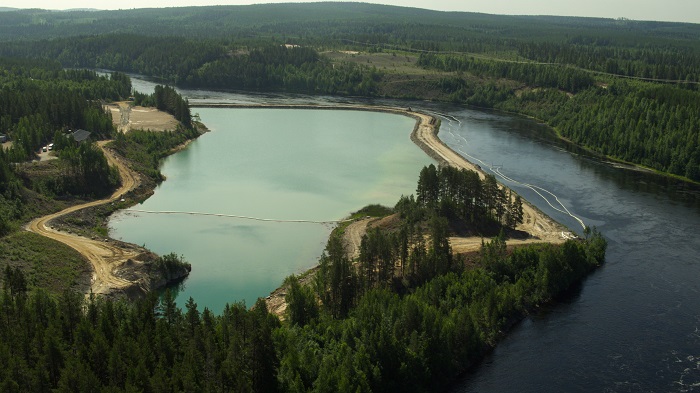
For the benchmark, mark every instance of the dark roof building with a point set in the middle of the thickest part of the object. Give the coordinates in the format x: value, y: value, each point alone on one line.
x: 80, y: 135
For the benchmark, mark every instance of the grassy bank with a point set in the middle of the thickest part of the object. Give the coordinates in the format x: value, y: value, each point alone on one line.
x: 46, y: 263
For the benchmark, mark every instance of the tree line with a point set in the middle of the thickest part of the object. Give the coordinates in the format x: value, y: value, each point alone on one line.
x: 417, y: 249
x: 207, y: 63
x: 419, y: 341
x: 504, y: 66
x: 276, y: 67
x: 531, y: 74
x: 37, y: 99
x: 651, y: 124
x: 359, y: 327
x: 667, y: 61
x: 462, y: 194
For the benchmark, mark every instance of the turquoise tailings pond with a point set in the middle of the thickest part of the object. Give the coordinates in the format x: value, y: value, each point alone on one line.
x: 285, y: 164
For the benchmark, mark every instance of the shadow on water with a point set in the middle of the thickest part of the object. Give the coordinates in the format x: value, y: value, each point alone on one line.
x: 559, y: 305
x: 636, y: 180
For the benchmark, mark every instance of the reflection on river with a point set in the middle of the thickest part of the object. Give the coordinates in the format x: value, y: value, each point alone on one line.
x: 634, y: 325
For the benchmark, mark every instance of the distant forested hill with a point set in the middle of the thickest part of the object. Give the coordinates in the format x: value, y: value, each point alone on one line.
x: 613, y: 46
x: 331, y: 21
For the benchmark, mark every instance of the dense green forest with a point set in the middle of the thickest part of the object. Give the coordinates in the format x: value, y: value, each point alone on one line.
x: 656, y: 125
x: 38, y: 97
x: 624, y: 89
x: 448, y: 201
x: 387, y: 342
x: 352, y: 330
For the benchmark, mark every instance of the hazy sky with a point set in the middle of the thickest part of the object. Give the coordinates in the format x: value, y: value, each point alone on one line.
x: 664, y: 10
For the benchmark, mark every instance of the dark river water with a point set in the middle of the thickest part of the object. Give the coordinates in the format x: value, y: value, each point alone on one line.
x: 631, y: 326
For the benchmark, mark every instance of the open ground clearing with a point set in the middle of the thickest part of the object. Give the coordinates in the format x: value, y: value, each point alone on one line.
x: 127, y: 117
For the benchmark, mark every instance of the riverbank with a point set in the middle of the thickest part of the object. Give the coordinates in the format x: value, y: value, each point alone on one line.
x: 540, y: 226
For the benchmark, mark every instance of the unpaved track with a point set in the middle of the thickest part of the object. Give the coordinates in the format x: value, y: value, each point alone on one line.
x: 103, y: 255
x: 352, y: 238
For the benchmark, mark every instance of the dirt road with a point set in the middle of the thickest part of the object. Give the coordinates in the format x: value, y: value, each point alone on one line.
x: 353, y: 237
x: 102, y: 254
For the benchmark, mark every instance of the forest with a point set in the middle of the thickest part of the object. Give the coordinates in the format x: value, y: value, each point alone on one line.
x: 651, y: 124
x: 351, y: 330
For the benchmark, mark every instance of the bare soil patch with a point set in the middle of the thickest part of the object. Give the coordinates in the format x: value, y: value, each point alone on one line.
x: 127, y: 117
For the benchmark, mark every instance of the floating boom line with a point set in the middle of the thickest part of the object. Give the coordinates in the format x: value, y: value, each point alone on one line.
x: 237, y: 216
x: 497, y: 171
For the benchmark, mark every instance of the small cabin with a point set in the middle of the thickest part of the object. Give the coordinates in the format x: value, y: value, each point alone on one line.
x: 80, y: 135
